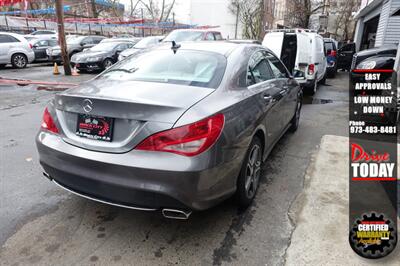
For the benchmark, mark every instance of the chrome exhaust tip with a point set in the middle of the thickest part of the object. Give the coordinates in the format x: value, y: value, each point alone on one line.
x: 47, y: 176
x: 176, y: 214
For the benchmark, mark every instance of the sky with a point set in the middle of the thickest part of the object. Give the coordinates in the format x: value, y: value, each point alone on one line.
x: 181, y: 9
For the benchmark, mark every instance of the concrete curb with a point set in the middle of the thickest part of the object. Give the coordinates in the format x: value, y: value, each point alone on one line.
x: 320, y: 212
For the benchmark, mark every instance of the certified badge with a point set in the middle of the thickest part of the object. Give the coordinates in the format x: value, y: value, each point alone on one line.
x: 373, y: 236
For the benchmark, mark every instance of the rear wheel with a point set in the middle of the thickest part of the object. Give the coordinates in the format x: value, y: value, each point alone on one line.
x: 249, y: 177
x: 323, y: 80
x: 19, y: 60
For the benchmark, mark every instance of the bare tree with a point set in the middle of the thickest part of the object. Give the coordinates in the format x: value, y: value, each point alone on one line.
x: 343, y: 28
x: 250, y: 13
x: 133, y: 6
x: 96, y: 9
x: 299, y: 12
x: 158, y: 11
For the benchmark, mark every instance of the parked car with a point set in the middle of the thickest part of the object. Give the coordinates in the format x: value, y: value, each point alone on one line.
x: 245, y: 41
x: 345, y: 56
x: 144, y: 43
x: 40, y: 47
x: 44, y: 34
x: 74, y: 45
x: 99, y: 57
x: 302, y: 51
x: 15, y: 49
x: 174, y: 130
x: 331, y: 57
x: 380, y: 58
x: 181, y: 35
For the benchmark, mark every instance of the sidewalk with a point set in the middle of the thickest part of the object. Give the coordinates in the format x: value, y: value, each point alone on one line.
x: 320, y: 213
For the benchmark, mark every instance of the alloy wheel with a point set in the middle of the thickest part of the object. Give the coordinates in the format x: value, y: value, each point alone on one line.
x: 19, y: 61
x: 107, y: 64
x: 253, y: 170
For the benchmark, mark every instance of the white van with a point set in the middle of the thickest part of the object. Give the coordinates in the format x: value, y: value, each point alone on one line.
x: 302, y: 51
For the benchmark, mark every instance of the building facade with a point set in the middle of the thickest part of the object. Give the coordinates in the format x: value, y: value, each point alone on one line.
x: 378, y: 24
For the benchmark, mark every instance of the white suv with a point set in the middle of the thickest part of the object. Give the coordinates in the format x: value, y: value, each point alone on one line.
x: 15, y: 49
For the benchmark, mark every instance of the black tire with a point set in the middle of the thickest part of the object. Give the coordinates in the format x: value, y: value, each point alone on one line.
x: 311, y: 90
x: 19, y: 61
x: 107, y: 63
x: 294, y: 123
x: 2, y: 66
x: 249, y: 177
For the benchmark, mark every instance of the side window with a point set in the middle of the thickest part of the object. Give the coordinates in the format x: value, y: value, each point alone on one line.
x: 122, y: 47
x: 277, y: 67
x: 87, y: 41
x: 218, y: 36
x: 97, y: 40
x: 7, y: 39
x: 43, y: 43
x: 210, y: 36
x: 258, y: 69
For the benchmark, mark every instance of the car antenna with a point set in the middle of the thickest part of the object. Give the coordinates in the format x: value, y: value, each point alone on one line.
x: 175, y: 46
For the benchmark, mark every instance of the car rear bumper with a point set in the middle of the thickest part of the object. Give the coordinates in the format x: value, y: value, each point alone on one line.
x: 136, y: 179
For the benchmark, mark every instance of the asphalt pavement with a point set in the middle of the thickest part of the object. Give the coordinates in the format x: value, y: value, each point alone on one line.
x: 44, y: 225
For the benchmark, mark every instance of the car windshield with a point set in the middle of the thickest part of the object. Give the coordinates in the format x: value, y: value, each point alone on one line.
x: 186, y: 67
x: 104, y: 47
x: 146, y: 42
x: 180, y: 36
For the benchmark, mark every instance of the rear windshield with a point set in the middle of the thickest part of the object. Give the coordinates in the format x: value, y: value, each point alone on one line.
x: 180, y: 36
x: 186, y: 67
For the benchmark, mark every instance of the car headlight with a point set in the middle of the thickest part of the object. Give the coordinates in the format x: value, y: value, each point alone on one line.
x: 121, y: 57
x: 367, y: 65
x: 93, y: 59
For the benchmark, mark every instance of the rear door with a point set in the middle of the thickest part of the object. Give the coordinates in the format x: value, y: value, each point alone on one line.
x: 274, y: 42
x: 261, y: 80
x: 320, y: 56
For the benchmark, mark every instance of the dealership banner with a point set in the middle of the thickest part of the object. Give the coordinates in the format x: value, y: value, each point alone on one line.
x: 373, y: 169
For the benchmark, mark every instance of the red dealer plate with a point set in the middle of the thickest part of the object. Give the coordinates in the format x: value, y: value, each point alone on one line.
x: 95, y: 127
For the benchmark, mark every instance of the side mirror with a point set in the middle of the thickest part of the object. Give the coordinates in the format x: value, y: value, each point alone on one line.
x: 35, y: 46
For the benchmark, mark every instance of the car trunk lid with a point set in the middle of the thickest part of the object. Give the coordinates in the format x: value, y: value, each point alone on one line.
x: 138, y: 109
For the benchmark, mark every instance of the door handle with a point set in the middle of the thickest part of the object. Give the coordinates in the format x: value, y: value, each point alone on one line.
x: 268, y: 98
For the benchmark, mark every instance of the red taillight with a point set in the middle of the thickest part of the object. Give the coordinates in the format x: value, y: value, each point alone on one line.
x: 311, y: 69
x: 189, y: 140
x: 333, y: 53
x: 48, y: 122
x: 30, y: 45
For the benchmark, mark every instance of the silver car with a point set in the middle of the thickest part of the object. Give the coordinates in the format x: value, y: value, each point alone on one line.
x: 15, y: 50
x: 174, y: 129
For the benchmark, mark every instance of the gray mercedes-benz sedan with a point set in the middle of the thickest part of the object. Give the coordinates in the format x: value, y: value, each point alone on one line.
x: 174, y: 129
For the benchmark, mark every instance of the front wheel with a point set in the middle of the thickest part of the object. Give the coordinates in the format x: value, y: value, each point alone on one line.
x: 19, y: 61
x: 249, y: 177
x: 107, y: 63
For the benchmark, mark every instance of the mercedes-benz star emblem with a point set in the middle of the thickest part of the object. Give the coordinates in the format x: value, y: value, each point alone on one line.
x: 87, y: 105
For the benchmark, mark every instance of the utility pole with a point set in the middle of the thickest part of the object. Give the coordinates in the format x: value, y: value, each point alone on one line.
x: 141, y: 11
x: 237, y: 20
x: 61, y: 37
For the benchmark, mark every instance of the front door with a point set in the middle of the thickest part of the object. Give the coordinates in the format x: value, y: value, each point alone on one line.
x: 262, y: 81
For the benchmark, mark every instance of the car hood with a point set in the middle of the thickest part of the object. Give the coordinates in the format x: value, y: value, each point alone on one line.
x: 88, y: 54
x: 390, y: 49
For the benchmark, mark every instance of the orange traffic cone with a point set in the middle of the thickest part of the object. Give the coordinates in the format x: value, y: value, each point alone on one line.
x: 55, y: 69
x: 75, y: 71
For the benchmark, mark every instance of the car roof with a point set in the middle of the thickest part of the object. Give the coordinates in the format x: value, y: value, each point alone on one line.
x: 220, y: 47
x: 16, y: 35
